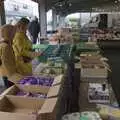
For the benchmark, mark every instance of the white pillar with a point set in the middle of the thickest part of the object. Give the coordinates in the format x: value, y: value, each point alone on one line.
x: 54, y: 19
x: 2, y: 14
x: 43, y: 18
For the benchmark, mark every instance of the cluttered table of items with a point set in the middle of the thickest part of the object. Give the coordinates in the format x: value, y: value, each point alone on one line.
x: 96, y: 97
x: 45, y: 94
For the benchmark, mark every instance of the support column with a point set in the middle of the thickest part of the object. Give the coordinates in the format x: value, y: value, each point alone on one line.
x: 43, y: 18
x: 2, y: 14
x: 58, y: 20
x: 80, y: 20
x: 62, y: 21
x: 54, y: 19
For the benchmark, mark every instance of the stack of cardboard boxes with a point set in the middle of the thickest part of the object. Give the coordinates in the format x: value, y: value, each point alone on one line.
x: 94, y: 75
x: 24, y: 107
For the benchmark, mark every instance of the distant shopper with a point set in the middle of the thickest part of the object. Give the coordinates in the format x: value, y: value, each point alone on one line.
x: 34, y: 29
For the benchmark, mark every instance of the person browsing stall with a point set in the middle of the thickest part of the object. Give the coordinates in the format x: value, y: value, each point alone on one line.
x: 22, y: 47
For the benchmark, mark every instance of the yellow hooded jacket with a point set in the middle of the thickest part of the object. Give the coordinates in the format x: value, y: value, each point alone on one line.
x: 7, y: 67
x: 7, y: 59
x: 22, y: 47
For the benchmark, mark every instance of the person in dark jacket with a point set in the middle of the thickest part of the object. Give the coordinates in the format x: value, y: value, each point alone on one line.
x: 34, y: 29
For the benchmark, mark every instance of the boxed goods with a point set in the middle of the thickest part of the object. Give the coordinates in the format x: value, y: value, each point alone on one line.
x: 94, y: 59
x: 84, y: 54
x: 20, y: 108
x: 52, y: 71
x: 39, y: 84
x: 94, y: 66
x: 98, y: 93
x: 93, y: 71
x: 53, y: 67
x: 87, y: 46
x: 17, y: 92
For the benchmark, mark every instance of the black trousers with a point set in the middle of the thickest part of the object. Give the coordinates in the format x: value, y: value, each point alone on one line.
x: 35, y: 39
x: 7, y: 82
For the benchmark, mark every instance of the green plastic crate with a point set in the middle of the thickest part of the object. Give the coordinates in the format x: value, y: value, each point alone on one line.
x: 83, y: 48
x: 39, y: 47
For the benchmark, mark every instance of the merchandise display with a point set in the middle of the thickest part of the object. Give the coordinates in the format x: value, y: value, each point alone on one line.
x: 107, y: 34
x: 63, y: 51
x: 34, y: 95
x: 90, y: 116
x: 52, y: 71
x: 29, y: 103
x: 109, y: 113
x: 98, y: 93
x: 39, y: 47
x: 82, y: 116
x: 94, y: 77
x: 54, y: 66
x: 45, y: 81
x: 87, y: 47
x: 17, y: 108
x: 63, y: 36
x: 59, y: 84
x: 93, y: 66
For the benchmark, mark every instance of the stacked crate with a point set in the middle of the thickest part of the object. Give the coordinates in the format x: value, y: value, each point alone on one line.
x: 94, y: 73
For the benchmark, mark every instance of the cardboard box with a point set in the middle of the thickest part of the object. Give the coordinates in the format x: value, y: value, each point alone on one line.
x: 15, y: 78
x: 12, y: 91
x: 94, y: 80
x: 92, y: 57
x: 94, y: 67
x: 89, y: 71
x: 92, y: 60
x: 38, y: 88
x: 13, y: 108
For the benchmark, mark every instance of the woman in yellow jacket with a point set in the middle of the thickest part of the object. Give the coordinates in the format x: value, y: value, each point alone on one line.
x: 7, y: 59
x: 22, y: 47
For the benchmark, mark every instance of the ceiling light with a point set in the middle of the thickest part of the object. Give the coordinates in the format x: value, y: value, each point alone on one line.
x: 70, y: 4
x: 116, y: 1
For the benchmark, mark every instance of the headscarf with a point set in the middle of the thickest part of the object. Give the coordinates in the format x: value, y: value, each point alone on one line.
x: 22, y: 23
x: 7, y: 33
x: 7, y: 59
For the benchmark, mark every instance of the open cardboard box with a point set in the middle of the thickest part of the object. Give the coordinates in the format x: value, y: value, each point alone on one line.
x: 15, y: 78
x: 14, y: 108
x: 38, y: 88
x: 12, y: 91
